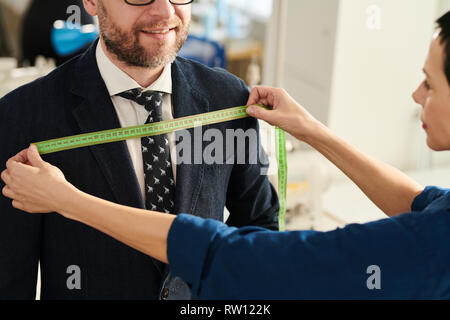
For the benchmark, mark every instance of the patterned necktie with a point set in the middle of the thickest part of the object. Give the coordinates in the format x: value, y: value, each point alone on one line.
x: 158, y: 174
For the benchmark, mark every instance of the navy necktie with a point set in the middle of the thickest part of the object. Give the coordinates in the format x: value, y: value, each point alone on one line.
x: 158, y: 174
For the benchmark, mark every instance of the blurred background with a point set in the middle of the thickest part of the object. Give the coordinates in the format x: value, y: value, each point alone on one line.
x: 352, y: 63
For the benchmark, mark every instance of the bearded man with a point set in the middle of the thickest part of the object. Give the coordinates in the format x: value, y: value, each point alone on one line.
x: 130, y: 76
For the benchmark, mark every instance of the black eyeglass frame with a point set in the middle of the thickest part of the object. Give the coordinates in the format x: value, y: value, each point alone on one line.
x: 151, y: 1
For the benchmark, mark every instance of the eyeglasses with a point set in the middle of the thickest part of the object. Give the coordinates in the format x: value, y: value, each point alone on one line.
x: 147, y: 2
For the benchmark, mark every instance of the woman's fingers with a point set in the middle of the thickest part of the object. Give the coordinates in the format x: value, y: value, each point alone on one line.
x: 18, y: 171
x: 254, y: 97
x: 32, y: 184
x: 261, y: 113
x: 5, y: 177
x: 273, y: 98
x: 17, y: 204
x: 17, y: 198
x: 25, y: 162
x: 34, y: 157
x: 261, y: 95
x: 268, y: 97
x: 286, y: 113
x: 21, y: 157
x: 7, y: 192
x: 7, y: 189
x: 12, y: 194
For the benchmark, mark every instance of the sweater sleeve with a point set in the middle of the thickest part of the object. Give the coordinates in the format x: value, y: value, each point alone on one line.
x: 188, y: 244
x: 220, y: 262
x: 427, y: 197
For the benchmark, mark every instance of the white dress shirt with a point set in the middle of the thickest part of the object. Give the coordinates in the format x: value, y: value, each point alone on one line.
x: 132, y: 114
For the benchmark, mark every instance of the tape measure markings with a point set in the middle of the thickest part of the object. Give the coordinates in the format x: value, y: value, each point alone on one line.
x: 148, y: 130
x: 168, y: 126
x: 280, y: 137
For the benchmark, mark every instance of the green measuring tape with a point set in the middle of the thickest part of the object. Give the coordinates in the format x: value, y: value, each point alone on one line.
x: 164, y: 127
x: 280, y: 138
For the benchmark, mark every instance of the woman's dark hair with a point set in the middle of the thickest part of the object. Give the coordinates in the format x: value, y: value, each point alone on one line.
x: 444, y: 33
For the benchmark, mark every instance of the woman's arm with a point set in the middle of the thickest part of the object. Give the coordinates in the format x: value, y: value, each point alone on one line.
x: 37, y: 186
x: 142, y: 230
x: 387, y: 187
x: 410, y: 253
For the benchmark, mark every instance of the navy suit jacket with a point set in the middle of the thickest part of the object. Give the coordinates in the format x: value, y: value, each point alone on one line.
x: 72, y: 100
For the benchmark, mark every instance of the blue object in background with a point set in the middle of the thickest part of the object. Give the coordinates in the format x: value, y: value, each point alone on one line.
x: 68, y: 38
x: 205, y: 51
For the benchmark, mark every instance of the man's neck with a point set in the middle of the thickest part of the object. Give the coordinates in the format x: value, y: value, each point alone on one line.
x: 143, y: 76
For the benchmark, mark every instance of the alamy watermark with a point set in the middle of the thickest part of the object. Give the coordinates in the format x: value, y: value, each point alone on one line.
x: 213, y: 146
x: 73, y: 281
x: 374, y: 281
x: 221, y: 147
x: 74, y: 13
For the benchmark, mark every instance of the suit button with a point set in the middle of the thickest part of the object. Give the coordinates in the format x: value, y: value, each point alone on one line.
x: 165, y: 294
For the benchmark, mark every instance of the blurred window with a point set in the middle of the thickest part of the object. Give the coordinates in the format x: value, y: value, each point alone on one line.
x: 258, y: 9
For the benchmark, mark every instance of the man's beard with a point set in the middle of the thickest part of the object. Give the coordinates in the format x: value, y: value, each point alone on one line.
x: 126, y: 47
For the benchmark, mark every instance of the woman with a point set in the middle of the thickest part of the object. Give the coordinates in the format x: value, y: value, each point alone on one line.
x: 406, y: 256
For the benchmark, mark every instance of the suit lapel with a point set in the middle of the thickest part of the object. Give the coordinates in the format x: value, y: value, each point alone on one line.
x: 187, y: 101
x: 97, y: 113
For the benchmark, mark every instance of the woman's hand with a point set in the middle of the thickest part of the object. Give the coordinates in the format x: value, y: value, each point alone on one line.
x: 34, y: 185
x: 285, y: 112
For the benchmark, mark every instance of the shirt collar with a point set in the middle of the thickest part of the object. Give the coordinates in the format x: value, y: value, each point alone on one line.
x: 118, y: 81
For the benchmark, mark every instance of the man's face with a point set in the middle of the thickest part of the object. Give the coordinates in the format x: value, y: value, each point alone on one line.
x: 433, y: 95
x: 143, y: 36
